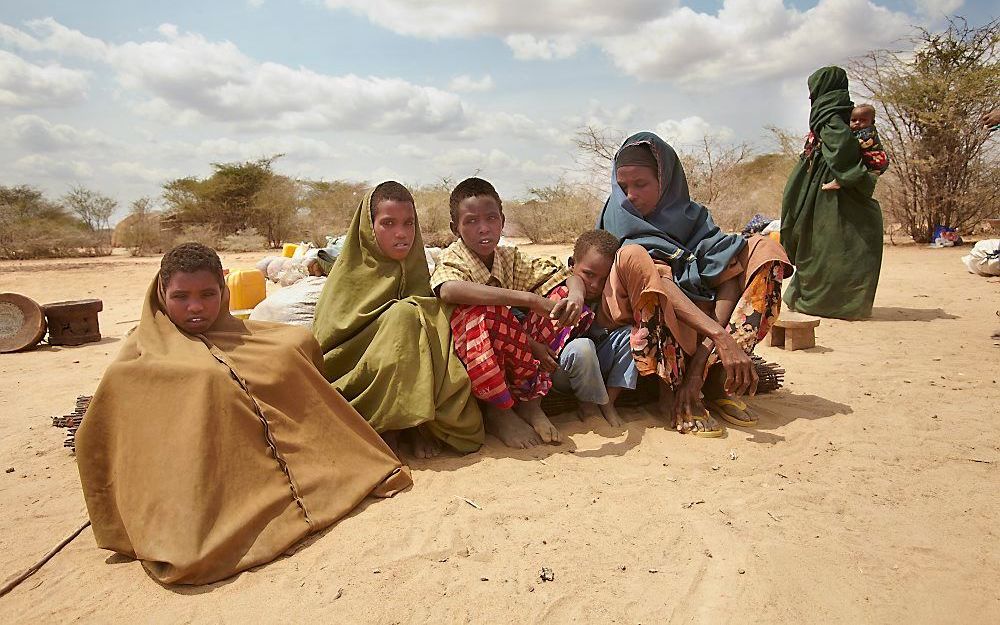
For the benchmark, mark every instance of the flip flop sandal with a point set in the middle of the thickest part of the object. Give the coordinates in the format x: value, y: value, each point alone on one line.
x: 704, y: 433
x: 730, y: 410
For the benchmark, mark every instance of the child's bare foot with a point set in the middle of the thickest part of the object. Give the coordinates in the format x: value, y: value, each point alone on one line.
x: 424, y: 446
x: 588, y: 410
x: 391, y: 439
x: 510, y: 428
x: 611, y: 415
x: 531, y: 411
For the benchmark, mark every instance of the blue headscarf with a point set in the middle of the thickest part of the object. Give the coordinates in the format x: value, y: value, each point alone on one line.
x: 679, y: 231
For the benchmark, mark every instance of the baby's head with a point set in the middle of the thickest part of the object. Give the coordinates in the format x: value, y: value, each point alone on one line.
x: 477, y: 216
x: 863, y: 116
x: 394, y: 219
x: 593, y: 255
x: 192, y: 283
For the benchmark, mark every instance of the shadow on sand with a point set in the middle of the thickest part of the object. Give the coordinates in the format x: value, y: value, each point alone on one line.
x: 898, y: 313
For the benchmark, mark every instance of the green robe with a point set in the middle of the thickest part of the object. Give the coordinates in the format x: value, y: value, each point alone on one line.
x: 387, y: 345
x: 834, y: 238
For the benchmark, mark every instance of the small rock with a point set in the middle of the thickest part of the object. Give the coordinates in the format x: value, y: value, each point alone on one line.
x: 715, y: 467
x: 708, y: 553
x: 622, y: 567
x: 484, y: 579
x: 740, y: 571
x: 547, y: 575
x: 907, y: 381
x: 377, y: 571
x: 340, y: 593
x: 654, y: 570
x: 9, y: 470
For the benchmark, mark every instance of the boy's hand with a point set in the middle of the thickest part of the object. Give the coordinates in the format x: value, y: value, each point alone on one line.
x: 567, y: 311
x: 547, y: 359
x: 541, y: 305
x: 833, y: 185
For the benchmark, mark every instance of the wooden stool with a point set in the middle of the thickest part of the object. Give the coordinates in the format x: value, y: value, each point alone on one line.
x: 794, y: 331
x: 74, y: 323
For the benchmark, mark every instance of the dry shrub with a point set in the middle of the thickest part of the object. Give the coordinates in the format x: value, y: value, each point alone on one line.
x: 198, y: 233
x: 328, y: 208
x: 142, y: 231
x: 51, y: 239
x: 556, y: 214
x: 750, y: 188
x: 246, y: 240
x: 435, y: 216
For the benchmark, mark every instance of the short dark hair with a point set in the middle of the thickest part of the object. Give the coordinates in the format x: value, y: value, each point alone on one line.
x: 603, y: 241
x: 390, y: 190
x: 189, y: 258
x: 471, y: 187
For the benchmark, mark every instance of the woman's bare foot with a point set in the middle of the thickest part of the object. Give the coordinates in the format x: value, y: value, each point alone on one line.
x: 391, y: 439
x: 611, y: 415
x: 589, y: 410
x: 424, y: 446
x: 701, y: 424
x: 511, y: 429
x: 531, y: 411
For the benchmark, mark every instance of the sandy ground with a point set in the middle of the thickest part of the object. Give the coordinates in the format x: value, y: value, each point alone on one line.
x: 869, y: 492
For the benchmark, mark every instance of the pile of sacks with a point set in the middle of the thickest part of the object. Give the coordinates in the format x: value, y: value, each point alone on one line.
x: 984, y: 259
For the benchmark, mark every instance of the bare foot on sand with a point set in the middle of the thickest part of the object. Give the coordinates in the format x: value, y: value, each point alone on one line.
x: 611, y: 415
x: 531, y: 411
x: 510, y: 428
x: 588, y: 410
x: 665, y: 405
x: 424, y: 446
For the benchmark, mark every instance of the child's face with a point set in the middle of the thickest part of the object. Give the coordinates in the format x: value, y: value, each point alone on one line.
x: 641, y: 186
x: 193, y: 300
x: 480, y: 223
x: 395, y: 227
x: 861, y: 118
x: 593, y: 268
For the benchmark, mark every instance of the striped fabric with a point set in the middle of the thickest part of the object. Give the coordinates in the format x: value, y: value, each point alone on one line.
x: 494, y: 346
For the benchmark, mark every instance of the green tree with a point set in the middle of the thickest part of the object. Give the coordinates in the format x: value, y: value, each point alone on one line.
x: 943, y: 170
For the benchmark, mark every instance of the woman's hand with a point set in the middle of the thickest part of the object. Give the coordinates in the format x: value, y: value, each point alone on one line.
x: 833, y: 185
x: 687, y: 398
x: 547, y: 359
x: 741, y: 376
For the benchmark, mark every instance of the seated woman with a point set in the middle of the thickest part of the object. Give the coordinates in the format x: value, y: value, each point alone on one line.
x: 697, y: 300
x: 212, y: 444
x: 386, y: 339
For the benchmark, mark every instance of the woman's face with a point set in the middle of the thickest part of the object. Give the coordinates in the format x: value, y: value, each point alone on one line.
x: 395, y: 228
x: 193, y: 300
x: 641, y: 186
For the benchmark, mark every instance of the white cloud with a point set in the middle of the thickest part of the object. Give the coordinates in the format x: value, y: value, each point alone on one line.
x: 466, y: 83
x: 293, y: 148
x: 24, y: 84
x: 460, y: 18
x: 690, y: 131
x: 749, y: 40
x: 184, y: 77
x: 137, y: 172
x: 36, y: 134
x: 39, y: 166
x: 411, y: 151
x: 742, y: 41
x: 938, y: 8
x: 528, y: 47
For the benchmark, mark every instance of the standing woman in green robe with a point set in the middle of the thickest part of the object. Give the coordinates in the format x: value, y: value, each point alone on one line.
x: 386, y: 339
x: 832, y: 236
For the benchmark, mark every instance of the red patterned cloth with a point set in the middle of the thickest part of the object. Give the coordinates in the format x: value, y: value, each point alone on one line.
x: 494, y: 346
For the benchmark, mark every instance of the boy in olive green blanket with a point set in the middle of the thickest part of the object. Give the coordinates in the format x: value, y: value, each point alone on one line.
x: 385, y: 338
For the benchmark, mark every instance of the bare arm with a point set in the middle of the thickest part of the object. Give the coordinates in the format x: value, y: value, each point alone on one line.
x: 470, y: 293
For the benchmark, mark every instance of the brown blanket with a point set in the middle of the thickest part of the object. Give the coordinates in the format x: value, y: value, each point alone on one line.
x: 206, y: 455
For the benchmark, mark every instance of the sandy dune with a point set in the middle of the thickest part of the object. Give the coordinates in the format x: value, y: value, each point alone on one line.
x: 869, y: 493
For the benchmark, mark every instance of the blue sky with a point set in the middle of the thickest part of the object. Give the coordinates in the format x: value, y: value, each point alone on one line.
x: 122, y: 96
